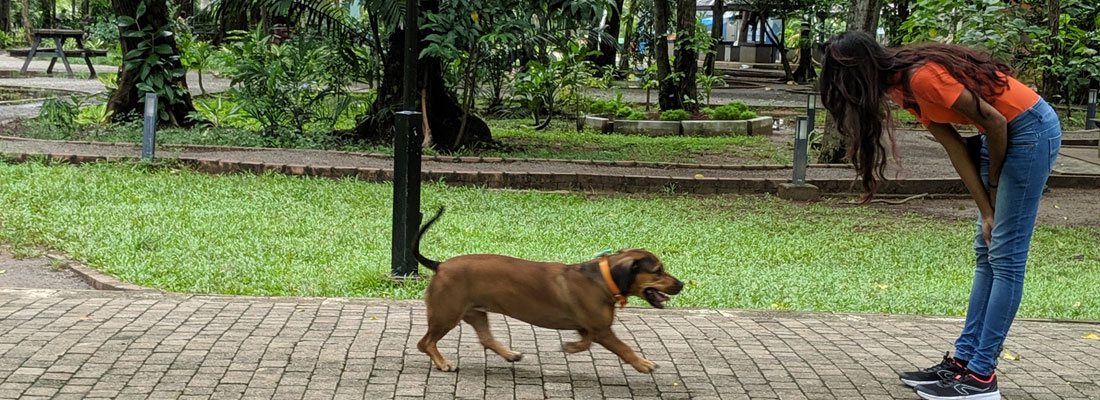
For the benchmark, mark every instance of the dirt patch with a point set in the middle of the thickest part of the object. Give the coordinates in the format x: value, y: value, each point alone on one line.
x: 1058, y: 207
x: 37, y: 272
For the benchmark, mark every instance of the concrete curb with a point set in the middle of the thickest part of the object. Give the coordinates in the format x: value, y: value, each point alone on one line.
x: 97, y: 280
x: 451, y: 159
x: 568, y: 181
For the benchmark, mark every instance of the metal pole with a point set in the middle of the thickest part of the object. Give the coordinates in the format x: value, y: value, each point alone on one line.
x: 406, y: 159
x: 811, y: 110
x: 801, y: 134
x: 149, y: 133
x: 1090, y: 115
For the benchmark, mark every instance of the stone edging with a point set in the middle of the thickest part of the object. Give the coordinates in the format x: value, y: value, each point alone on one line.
x: 759, y: 126
x: 97, y: 280
x: 572, y: 181
x: 453, y: 159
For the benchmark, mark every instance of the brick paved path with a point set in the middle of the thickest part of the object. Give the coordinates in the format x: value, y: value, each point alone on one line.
x: 87, y: 344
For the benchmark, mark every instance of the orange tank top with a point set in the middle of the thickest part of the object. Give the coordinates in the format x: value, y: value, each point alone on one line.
x: 935, y: 91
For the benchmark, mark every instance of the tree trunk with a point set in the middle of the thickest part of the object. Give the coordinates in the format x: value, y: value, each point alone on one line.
x: 86, y: 9
x: 781, y: 46
x: 47, y: 13
x: 442, y: 112
x: 717, y: 23
x: 608, y: 50
x: 668, y: 95
x: 231, y: 21
x: 863, y: 15
x: 628, y: 37
x: 893, y: 25
x: 806, y: 71
x: 1050, y: 84
x: 5, y: 15
x: 28, y: 25
x: 128, y: 99
x: 687, y: 59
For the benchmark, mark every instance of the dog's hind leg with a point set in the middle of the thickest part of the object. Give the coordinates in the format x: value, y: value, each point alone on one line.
x: 480, y: 321
x: 442, y: 317
x: 580, y: 345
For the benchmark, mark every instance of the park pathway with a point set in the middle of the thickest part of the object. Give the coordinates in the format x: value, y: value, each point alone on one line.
x: 113, y: 344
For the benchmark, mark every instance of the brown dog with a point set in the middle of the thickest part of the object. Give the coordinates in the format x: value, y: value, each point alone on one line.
x: 581, y: 296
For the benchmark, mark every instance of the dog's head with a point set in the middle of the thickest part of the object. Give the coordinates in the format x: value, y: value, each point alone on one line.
x: 640, y: 273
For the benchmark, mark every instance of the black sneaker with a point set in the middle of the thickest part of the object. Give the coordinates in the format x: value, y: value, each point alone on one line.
x: 945, y: 370
x: 965, y: 386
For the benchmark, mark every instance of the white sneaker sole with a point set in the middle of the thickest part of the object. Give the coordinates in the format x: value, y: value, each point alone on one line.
x: 983, y: 396
x: 913, y: 384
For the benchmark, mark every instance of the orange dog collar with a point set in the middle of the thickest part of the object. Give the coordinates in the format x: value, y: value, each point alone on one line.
x: 605, y: 269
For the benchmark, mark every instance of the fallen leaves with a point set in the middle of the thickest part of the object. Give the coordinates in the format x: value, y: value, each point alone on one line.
x: 1008, y: 355
x: 698, y: 176
x: 1091, y: 336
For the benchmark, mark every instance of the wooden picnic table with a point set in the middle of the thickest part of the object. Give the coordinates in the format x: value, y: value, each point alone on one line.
x: 59, y: 37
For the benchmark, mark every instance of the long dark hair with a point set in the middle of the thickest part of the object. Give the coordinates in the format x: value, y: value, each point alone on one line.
x: 855, y: 78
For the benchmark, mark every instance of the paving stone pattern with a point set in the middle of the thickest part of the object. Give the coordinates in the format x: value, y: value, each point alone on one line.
x: 129, y: 345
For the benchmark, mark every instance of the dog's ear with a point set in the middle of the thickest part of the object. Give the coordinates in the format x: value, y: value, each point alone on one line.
x: 624, y: 267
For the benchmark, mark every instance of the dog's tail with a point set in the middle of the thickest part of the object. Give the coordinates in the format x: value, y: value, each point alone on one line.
x: 425, y: 261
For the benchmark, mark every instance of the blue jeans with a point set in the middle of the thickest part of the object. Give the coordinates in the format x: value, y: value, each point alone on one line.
x: 1034, y: 138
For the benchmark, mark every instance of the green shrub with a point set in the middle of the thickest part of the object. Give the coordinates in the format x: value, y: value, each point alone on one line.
x: 732, y: 112
x: 637, y: 116
x: 675, y: 115
x: 624, y: 112
x: 603, y: 107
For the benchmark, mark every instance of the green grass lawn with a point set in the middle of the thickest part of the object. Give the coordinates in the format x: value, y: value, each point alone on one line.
x: 274, y: 235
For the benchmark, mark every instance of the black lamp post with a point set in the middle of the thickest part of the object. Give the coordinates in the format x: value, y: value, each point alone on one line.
x: 406, y: 157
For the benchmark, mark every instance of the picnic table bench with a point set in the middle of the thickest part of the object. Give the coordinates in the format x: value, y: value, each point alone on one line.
x: 59, y: 37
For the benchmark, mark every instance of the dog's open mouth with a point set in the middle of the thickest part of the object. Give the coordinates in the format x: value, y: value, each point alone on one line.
x: 655, y: 297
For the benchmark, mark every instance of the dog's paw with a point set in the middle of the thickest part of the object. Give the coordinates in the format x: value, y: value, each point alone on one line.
x: 644, y: 366
x: 447, y: 366
x: 514, y: 356
x: 575, y: 347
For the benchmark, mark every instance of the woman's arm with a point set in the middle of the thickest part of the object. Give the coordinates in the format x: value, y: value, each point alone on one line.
x: 996, y: 133
x: 968, y: 171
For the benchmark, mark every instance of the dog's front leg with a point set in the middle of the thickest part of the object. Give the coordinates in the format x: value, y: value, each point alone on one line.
x: 611, y: 342
x: 580, y: 345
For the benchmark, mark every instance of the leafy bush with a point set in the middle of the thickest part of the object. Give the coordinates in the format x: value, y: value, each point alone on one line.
x: 624, y: 112
x: 109, y: 81
x: 60, y: 112
x: 96, y: 115
x: 637, y: 116
x: 153, y: 62
x: 296, y: 87
x: 603, y: 107
x: 8, y: 40
x: 218, y: 113
x: 675, y: 115
x: 732, y: 112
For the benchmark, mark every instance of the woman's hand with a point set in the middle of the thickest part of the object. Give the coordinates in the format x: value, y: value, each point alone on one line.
x: 987, y: 230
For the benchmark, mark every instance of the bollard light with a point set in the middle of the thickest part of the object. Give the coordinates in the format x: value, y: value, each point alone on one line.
x: 149, y: 133
x: 1090, y: 114
x: 801, y: 136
